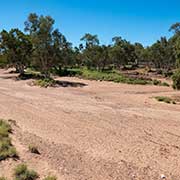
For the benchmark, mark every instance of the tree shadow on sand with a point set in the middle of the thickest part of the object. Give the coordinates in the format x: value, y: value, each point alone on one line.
x: 70, y: 84
x: 58, y: 83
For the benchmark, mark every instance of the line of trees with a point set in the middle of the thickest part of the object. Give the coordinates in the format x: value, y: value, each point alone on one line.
x: 42, y: 47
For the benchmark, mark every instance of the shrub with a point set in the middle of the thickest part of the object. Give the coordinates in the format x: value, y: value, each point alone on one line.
x: 6, y: 148
x: 114, y: 76
x: 176, y: 80
x: 165, y: 84
x: 47, y: 82
x: 156, y: 82
x: 33, y: 149
x: 3, y: 178
x: 50, y: 178
x: 5, y: 128
x: 22, y: 173
x: 159, y: 83
x: 165, y: 99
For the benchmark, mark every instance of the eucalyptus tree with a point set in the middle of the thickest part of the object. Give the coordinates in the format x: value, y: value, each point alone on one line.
x: 162, y: 54
x: 139, y: 51
x: 175, y: 42
x: 50, y: 47
x: 91, y: 50
x: 122, y: 52
x: 17, y: 47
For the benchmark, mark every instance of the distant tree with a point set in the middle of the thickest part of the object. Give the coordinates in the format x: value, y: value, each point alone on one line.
x: 17, y: 47
x: 139, y: 51
x: 177, y: 52
x: 62, y: 50
x: 122, y: 52
x: 104, y: 59
x: 175, y: 42
x: 78, y: 56
x: 100, y: 57
x: 91, y: 52
x: 175, y: 28
x: 50, y: 46
x: 90, y: 40
x: 162, y: 54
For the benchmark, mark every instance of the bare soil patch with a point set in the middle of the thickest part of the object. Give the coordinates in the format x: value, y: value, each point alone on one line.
x: 99, y: 131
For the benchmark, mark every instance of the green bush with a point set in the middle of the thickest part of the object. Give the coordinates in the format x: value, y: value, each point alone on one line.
x: 3, y: 178
x: 47, y: 82
x: 5, y: 128
x: 3, y: 61
x: 6, y: 148
x: 50, y: 178
x: 114, y: 76
x: 165, y: 99
x: 176, y: 80
x: 22, y: 173
x: 156, y: 82
x: 165, y: 84
x: 159, y: 83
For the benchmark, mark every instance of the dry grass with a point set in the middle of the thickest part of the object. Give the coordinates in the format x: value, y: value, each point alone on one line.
x: 6, y: 148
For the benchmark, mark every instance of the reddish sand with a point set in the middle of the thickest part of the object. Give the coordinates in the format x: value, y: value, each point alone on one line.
x: 93, y: 130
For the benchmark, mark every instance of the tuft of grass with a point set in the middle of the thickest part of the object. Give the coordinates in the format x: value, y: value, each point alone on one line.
x: 6, y: 148
x: 165, y: 84
x: 46, y: 82
x: 33, y: 149
x: 159, y: 83
x: 111, y: 76
x: 50, y: 178
x: 3, y: 178
x: 117, y: 77
x: 5, y: 128
x: 21, y: 172
x: 165, y: 99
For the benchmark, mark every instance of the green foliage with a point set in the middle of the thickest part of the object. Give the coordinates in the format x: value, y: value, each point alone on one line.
x: 176, y: 80
x: 46, y: 82
x: 50, y: 46
x: 165, y: 99
x: 33, y: 149
x: 165, y: 84
x: 67, y: 72
x: 5, y: 128
x: 122, y: 52
x: 47, y: 50
x: 50, y: 178
x: 6, y: 148
x: 21, y: 172
x: 156, y: 82
x: 17, y: 48
x: 90, y: 40
x: 3, y: 61
x: 162, y: 54
x: 159, y: 83
x: 111, y: 76
x: 3, y: 178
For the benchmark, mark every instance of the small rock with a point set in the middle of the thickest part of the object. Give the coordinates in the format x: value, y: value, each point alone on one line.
x: 163, y: 176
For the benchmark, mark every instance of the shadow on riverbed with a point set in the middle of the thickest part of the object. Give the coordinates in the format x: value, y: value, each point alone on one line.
x: 70, y: 84
x: 59, y: 83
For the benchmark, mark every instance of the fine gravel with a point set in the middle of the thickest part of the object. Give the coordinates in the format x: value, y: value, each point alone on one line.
x: 90, y: 130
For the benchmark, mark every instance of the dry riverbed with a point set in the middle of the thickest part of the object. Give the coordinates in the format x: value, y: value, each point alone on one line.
x: 92, y: 130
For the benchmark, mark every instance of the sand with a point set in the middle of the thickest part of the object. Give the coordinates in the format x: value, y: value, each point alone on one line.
x: 92, y: 130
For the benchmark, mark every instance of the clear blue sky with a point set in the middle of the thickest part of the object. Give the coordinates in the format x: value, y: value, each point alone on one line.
x: 136, y: 20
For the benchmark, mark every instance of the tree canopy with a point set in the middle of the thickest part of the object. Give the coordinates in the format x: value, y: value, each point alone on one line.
x: 43, y: 47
